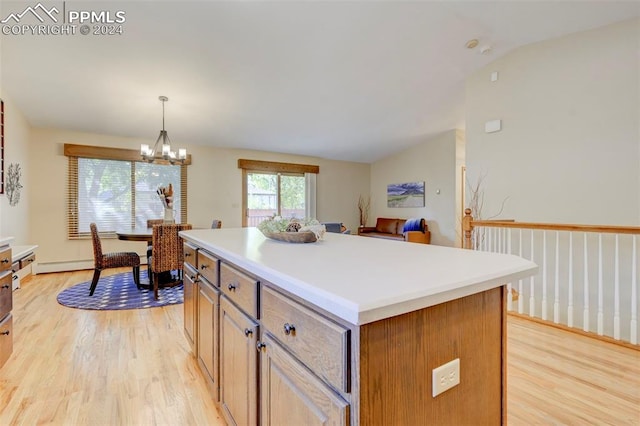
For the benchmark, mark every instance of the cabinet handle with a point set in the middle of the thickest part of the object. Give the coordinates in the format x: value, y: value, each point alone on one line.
x: 5, y: 333
x: 193, y: 278
x: 203, y: 267
x: 248, y: 332
x: 231, y: 287
x: 289, y: 328
x: 187, y: 254
x: 5, y: 260
x: 15, y: 277
x: 259, y: 346
x: 7, y: 285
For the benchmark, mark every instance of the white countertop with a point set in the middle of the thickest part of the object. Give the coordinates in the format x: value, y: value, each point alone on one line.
x: 362, y: 279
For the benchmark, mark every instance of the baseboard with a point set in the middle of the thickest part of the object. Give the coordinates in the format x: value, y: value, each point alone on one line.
x: 76, y: 265
x: 48, y: 267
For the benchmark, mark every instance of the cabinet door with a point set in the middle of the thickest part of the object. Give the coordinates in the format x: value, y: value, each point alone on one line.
x: 291, y: 395
x: 238, y: 365
x: 190, y: 295
x: 208, y: 307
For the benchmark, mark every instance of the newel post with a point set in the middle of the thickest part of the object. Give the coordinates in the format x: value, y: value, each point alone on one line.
x: 467, y: 228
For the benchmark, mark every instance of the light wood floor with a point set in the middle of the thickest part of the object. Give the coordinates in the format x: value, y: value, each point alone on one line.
x: 76, y: 367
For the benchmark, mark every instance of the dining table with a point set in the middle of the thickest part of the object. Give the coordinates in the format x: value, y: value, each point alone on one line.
x: 135, y: 234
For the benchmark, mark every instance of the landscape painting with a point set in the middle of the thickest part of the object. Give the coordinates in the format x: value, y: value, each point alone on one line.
x: 409, y: 194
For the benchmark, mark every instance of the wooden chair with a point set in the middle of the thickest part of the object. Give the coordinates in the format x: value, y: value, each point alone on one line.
x: 111, y: 260
x: 216, y: 224
x: 168, y: 253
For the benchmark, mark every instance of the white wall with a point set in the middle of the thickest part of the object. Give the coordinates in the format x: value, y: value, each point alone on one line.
x: 215, y: 191
x: 434, y: 162
x: 569, y: 149
x: 14, y: 220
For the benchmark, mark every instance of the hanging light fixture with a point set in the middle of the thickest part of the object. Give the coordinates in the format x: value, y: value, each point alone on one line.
x: 162, y: 151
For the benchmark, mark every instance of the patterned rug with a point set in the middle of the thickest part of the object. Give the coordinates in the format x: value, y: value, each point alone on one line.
x: 118, y: 291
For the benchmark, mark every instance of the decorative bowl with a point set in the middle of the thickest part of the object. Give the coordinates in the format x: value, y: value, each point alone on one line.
x: 292, y: 237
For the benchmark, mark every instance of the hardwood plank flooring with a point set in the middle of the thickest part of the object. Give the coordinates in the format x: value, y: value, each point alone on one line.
x: 78, y: 367
x: 558, y: 377
x: 81, y: 367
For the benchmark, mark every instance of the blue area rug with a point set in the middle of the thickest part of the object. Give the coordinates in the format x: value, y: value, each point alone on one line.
x: 118, y: 291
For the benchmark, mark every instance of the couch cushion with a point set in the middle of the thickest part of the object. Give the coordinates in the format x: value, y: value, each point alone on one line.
x: 385, y: 235
x: 387, y: 226
x: 400, y: 226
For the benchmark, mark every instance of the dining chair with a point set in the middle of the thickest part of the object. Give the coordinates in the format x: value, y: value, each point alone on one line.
x: 216, y: 224
x: 150, y: 224
x: 111, y: 260
x: 167, y: 253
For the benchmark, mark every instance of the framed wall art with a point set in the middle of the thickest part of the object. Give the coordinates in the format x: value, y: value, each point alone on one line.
x: 410, y: 194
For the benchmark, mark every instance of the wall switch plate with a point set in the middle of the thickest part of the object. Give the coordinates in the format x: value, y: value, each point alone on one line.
x: 445, y: 377
x: 493, y: 126
x: 494, y: 76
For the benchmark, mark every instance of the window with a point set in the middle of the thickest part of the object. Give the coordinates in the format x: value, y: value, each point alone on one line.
x: 119, y: 193
x: 281, y: 189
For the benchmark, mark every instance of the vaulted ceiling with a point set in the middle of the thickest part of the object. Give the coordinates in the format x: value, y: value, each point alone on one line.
x: 353, y: 80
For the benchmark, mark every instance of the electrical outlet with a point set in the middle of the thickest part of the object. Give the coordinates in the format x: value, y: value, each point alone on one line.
x: 446, y: 376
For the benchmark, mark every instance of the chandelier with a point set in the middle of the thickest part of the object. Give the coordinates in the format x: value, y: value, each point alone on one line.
x: 162, y: 151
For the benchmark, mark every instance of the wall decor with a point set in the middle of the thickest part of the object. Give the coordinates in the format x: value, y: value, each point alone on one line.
x: 13, y: 183
x: 410, y: 194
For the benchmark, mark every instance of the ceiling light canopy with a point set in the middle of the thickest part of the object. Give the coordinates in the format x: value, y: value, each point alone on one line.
x: 163, y: 151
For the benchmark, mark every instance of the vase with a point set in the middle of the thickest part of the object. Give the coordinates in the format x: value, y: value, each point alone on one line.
x: 168, y: 215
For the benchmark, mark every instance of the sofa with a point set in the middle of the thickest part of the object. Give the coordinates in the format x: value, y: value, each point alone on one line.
x: 416, y: 230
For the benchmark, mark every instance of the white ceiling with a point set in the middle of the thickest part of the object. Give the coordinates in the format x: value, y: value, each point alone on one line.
x: 351, y: 80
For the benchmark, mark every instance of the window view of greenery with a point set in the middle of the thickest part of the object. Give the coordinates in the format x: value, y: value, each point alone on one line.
x: 262, y: 196
x: 106, y: 189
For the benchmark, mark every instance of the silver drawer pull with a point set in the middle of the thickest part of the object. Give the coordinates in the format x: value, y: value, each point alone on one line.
x: 248, y: 332
x: 5, y: 333
x: 259, y: 346
x: 7, y: 285
x: 203, y: 267
x: 5, y: 260
x: 232, y: 286
x: 289, y: 329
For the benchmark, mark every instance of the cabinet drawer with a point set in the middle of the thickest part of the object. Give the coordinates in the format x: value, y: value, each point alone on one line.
x: 5, y: 259
x: 27, y: 260
x: 6, y: 339
x: 208, y: 267
x: 239, y: 288
x: 318, y: 342
x: 190, y: 255
x: 6, y: 295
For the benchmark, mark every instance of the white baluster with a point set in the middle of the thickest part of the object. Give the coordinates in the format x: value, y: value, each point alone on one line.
x: 634, y: 296
x: 499, y: 241
x: 600, y: 294
x: 508, y: 250
x: 556, y: 286
x: 532, y: 300
x: 544, y: 275
x: 509, y: 297
x: 521, y: 295
x: 570, y: 295
x: 616, y: 294
x: 585, y: 312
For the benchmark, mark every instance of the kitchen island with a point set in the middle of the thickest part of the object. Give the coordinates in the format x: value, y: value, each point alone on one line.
x: 348, y: 330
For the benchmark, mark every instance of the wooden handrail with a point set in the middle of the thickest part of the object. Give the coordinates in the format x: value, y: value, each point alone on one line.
x: 468, y: 224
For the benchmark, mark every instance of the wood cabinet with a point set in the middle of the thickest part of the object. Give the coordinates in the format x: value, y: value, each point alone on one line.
x: 238, y: 365
x: 313, y: 367
x: 6, y: 305
x: 292, y: 395
x: 208, y: 317
x: 190, y: 308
